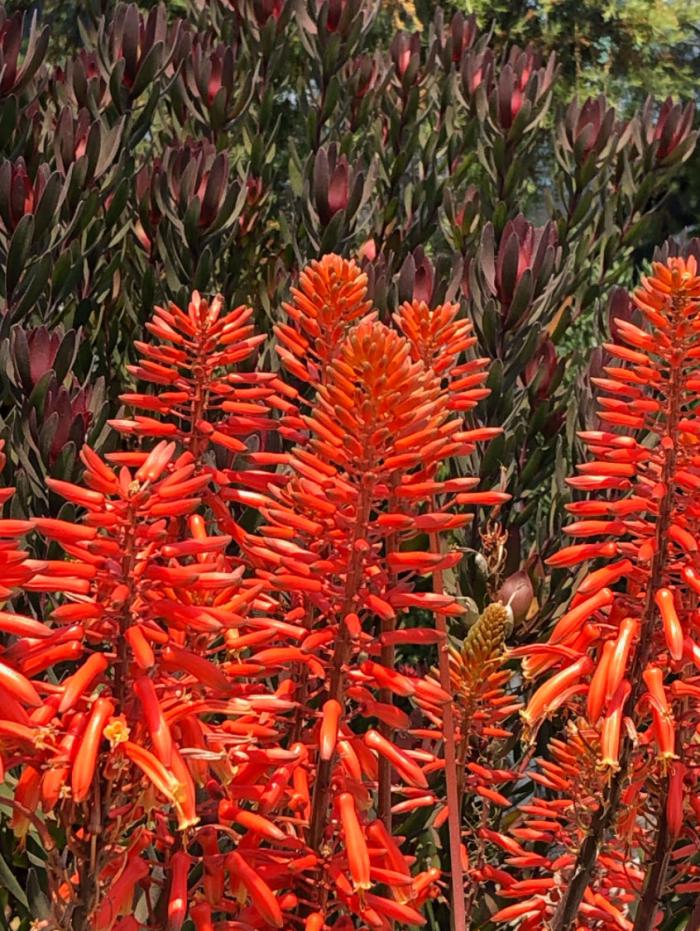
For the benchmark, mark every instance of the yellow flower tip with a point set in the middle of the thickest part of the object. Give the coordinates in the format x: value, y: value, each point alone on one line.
x: 529, y: 727
x: 45, y: 738
x: 608, y: 765
x: 665, y: 759
x: 184, y: 823
x: 116, y: 732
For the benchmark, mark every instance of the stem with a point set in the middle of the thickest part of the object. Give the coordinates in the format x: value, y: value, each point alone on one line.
x: 388, y: 655
x: 323, y: 778
x: 384, y: 794
x: 300, y: 675
x: 199, y: 405
x: 694, y: 923
x: 88, y: 853
x: 79, y: 917
x: 602, y: 820
x: 568, y: 907
x: 480, y: 859
x: 392, y: 189
x: 656, y: 875
x: 127, y: 569
x: 454, y: 827
x: 341, y: 655
x: 644, y: 919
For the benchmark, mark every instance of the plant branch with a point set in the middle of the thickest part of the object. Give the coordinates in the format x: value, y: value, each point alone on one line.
x: 319, y: 808
x: 646, y: 910
x: 454, y: 827
x: 388, y: 656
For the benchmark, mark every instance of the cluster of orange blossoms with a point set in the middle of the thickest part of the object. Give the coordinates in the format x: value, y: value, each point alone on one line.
x: 209, y: 706
x: 616, y: 824
x: 204, y: 711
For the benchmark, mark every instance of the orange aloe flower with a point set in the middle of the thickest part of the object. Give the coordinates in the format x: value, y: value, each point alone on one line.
x: 643, y: 479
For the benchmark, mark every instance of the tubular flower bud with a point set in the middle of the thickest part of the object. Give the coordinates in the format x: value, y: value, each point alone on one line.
x: 548, y: 696
x: 672, y: 626
x: 611, y: 727
x: 617, y: 667
x: 155, y: 720
x: 355, y: 843
x: 201, y: 915
x: 78, y: 683
x: 120, y: 894
x: 675, y: 799
x: 263, y: 899
x: 664, y: 730
x: 574, y: 619
x: 19, y: 686
x: 177, y: 898
x: 597, y: 691
x: 329, y: 729
x: 405, y: 766
x: 485, y: 638
x: 85, y: 762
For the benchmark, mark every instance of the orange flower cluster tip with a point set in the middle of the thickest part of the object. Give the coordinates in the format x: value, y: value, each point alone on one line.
x: 330, y: 298
x: 204, y: 399
x: 208, y: 707
x: 626, y: 650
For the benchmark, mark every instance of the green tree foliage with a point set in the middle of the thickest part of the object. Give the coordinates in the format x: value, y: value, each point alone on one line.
x: 622, y: 48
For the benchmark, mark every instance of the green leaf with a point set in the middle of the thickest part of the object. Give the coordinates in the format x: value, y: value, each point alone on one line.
x: 115, y: 82
x: 65, y: 357
x: 333, y: 235
x: 65, y: 463
x: 36, y: 398
x: 8, y: 117
x: 48, y: 205
x: 148, y: 70
x: 18, y: 252
x: 493, y: 456
x: 109, y: 146
x: 203, y: 273
x: 119, y: 201
x: 20, y: 356
x: 490, y: 326
x: 67, y: 273
x: 8, y: 881
x: 191, y: 223
x: 47, y: 434
x: 32, y: 286
x: 86, y: 214
x: 296, y: 177
x: 38, y: 903
x: 36, y: 50
x: 148, y: 287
